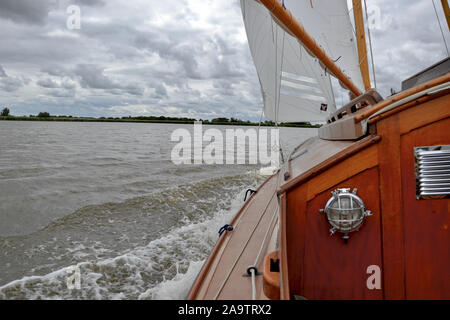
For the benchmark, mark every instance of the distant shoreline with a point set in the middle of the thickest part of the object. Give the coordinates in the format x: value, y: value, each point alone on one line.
x: 140, y: 120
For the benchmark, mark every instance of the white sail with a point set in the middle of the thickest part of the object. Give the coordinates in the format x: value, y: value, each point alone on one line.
x: 294, y: 85
x: 328, y: 22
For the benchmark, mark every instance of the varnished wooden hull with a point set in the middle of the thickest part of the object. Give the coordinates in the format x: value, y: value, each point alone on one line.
x: 408, y: 239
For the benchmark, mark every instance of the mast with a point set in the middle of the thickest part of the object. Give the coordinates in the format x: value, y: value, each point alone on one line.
x: 361, y: 41
x: 446, y: 11
x: 297, y: 30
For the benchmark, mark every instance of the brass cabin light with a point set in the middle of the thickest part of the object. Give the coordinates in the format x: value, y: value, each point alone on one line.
x: 345, y: 211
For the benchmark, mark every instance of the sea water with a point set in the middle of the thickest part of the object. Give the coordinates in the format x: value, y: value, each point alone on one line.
x: 106, y: 199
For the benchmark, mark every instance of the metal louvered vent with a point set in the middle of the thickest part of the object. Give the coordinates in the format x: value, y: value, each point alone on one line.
x: 432, y: 165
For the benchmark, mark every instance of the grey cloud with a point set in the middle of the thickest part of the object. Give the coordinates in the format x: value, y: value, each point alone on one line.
x: 224, y: 46
x: 224, y: 87
x: 89, y: 2
x: 61, y: 93
x: 226, y: 70
x: 55, y: 70
x: 407, y: 41
x: 165, y: 54
x: 187, y: 47
x: 132, y: 89
x: 68, y: 84
x: 177, y: 47
x: 10, y: 83
x: 47, y: 83
x: 160, y: 91
x: 25, y: 11
x: 92, y: 76
x: 2, y: 72
x: 61, y: 88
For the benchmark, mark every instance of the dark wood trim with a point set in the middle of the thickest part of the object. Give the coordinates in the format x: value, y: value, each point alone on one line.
x: 408, y: 105
x: 391, y: 207
x: 402, y: 95
x: 296, y: 231
x: 284, y: 276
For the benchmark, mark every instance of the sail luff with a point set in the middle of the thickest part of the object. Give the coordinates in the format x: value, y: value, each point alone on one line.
x: 286, y: 18
x: 361, y: 42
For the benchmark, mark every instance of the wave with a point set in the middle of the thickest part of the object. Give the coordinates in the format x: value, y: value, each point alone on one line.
x: 148, y: 247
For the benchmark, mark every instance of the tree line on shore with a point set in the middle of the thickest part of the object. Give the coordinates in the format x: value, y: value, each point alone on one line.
x: 45, y: 116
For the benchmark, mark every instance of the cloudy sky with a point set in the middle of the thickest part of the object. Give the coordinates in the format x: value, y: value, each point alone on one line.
x: 172, y: 57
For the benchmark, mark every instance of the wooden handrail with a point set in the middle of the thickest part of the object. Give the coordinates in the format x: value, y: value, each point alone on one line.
x: 432, y: 83
x: 370, y: 97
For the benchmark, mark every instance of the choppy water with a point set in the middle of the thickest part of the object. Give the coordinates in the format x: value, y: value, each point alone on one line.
x: 105, y: 197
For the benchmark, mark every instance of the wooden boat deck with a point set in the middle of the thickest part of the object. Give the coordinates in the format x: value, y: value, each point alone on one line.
x: 223, y: 274
x: 312, y: 152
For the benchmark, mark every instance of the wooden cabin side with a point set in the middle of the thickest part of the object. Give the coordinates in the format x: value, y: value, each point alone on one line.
x: 415, y: 232
x: 406, y: 238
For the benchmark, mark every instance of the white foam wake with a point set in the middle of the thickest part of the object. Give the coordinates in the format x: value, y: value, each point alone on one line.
x: 163, y: 269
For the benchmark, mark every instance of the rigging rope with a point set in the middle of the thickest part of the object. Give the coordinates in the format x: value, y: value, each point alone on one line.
x: 277, y: 92
x: 440, y: 27
x: 253, y: 268
x: 262, y: 109
x: 253, y: 284
x: 258, y: 257
x: 327, y: 67
x: 370, y: 45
